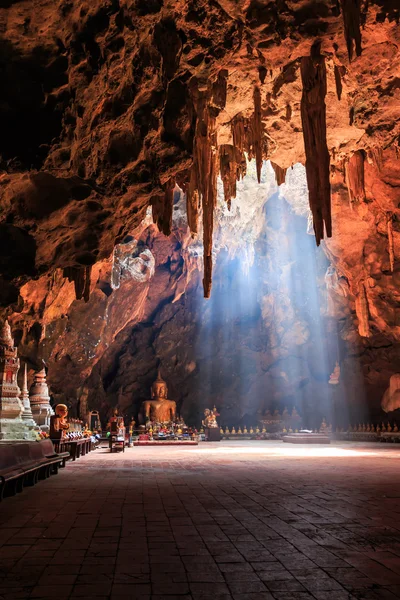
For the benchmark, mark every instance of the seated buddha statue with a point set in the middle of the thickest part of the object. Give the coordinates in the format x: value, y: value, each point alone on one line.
x: 210, y: 418
x: 159, y: 409
x: 58, y: 422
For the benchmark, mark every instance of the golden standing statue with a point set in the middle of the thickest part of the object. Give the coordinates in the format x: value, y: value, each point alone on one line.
x: 159, y: 409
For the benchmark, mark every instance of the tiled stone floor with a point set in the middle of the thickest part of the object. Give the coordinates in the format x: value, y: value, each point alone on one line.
x: 242, y: 520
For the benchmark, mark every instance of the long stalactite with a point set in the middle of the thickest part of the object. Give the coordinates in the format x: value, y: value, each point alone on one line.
x: 362, y: 311
x: 355, y: 176
x: 351, y: 21
x: 203, y: 178
x: 313, y: 116
x: 162, y: 207
x: 257, y: 132
x: 389, y: 218
x: 280, y: 173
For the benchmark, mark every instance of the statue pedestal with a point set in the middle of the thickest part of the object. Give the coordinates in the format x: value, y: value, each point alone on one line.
x: 212, y: 434
x: 306, y: 438
x: 15, y: 429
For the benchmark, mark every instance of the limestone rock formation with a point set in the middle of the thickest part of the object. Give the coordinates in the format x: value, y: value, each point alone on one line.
x: 391, y: 397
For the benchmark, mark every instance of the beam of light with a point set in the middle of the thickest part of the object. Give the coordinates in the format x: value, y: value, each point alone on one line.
x: 266, y: 340
x: 275, y: 450
x: 300, y: 451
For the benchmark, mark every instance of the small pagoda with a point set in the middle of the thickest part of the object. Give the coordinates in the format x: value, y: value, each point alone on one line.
x: 40, y: 400
x: 12, y: 426
x: 26, y: 414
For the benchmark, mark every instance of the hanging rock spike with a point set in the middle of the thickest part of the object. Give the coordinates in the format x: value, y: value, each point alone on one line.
x: 162, y: 207
x: 355, y: 177
x: 389, y: 218
x: 351, y: 22
x: 313, y: 117
x: 257, y: 132
x: 280, y: 174
x: 362, y: 311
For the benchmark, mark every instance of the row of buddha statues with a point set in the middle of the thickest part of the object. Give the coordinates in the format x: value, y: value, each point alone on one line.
x: 369, y: 428
x: 23, y: 413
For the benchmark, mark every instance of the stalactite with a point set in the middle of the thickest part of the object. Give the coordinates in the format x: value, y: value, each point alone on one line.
x: 280, y: 173
x: 209, y: 200
x: 338, y: 82
x: 232, y: 168
x: 248, y: 137
x: 390, y: 240
x: 162, y: 207
x: 362, y: 311
x: 81, y: 278
x: 313, y: 116
x: 257, y: 132
x: 239, y: 134
x: 203, y: 180
x: 355, y: 176
x: 228, y: 171
x: 192, y: 203
x: 351, y: 22
x: 219, y: 90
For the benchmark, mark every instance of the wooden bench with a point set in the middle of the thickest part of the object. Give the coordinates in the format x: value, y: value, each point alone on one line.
x: 75, y: 448
x: 24, y: 463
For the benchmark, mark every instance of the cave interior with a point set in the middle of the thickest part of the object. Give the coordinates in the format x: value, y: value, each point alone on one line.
x: 206, y: 188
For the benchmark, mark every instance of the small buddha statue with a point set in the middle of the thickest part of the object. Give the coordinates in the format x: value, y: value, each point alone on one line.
x: 245, y: 429
x: 58, y: 422
x: 334, y: 378
x: 159, y: 409
x: 226, y: 430
x: 251, y: 430
x: 210, y: 419
x: 389, y: 428
x: 233, y: 431
x: 395, y: 428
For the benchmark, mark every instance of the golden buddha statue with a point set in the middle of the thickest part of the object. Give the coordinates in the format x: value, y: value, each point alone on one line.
x: 210, y: 419
x: 159, y: 409
x: 58, y: 422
